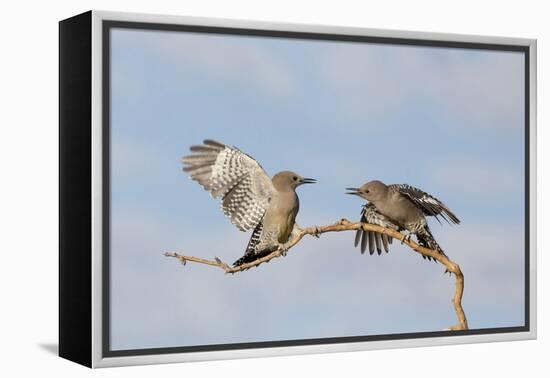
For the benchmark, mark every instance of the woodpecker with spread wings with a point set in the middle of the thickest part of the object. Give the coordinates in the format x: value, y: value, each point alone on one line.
x: 402, y: 207
x: 249, y: 197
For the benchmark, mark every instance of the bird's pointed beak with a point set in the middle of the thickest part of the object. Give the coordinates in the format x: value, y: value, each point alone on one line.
x: 308, y: 181
x: 353, y: 191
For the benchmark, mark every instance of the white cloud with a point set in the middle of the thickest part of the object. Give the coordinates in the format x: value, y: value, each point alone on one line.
x: 477, y: 178
x: 234, y: 60
x: 479, y: 88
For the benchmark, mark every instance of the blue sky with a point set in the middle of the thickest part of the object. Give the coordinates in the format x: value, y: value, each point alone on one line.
x: 449, y: 121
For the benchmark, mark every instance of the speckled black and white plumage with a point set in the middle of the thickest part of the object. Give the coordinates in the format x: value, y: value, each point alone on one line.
x: 372, y: 239
x: 236, y: 178
x: 249, y: 197
x: 429, y: 205
x: 406, y: 207
x: 262, y: 242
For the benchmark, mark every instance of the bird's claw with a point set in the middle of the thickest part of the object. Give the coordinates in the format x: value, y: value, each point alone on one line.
x: 317, y: 233
x: 283, y: 249
x: 406, y: 237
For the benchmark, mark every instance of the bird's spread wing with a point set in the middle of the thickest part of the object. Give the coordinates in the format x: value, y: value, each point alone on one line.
x: 369, y: 214
x: 429, y: 205
x: 235, y: 177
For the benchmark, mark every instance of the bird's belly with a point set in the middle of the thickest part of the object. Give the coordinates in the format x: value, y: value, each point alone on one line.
x: 396, y: 217
x: 401, y: 215
x: 284, y: 233
x: 282, y: 215
x: 283, y: 223
x: 286, y: 226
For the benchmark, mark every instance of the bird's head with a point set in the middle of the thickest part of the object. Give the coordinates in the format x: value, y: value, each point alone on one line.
x: 287, y: 180
x: 371, y: 191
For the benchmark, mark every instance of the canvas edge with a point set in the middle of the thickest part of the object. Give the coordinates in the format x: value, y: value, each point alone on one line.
x: 74, y: 252
x: 97, y: 357
x: 97, y: 190
x: 533, y: 200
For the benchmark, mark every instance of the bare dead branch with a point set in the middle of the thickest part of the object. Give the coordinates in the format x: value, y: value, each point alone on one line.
x: 345, y: 225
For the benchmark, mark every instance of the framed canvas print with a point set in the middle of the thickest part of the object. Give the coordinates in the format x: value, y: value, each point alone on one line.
x: 235, y: 189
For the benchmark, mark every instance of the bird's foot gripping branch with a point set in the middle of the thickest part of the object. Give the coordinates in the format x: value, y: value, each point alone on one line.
x: 345, y: 225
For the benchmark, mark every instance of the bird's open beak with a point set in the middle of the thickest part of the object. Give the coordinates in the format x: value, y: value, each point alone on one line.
x: 353, y: 191
x: 308, y: 181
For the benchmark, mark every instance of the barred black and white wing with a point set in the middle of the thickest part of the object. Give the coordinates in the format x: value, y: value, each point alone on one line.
x: 369, y: 214
x: 429, y: 205
x: 228, y: 173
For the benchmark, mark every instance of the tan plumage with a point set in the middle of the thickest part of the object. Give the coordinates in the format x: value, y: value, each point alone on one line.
x: 249, y: 198
x: 406, y: 207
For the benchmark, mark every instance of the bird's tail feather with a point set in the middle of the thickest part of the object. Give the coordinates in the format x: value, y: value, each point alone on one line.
x: 426, y: 239
x: 250, y: 257
x: 372, y: 239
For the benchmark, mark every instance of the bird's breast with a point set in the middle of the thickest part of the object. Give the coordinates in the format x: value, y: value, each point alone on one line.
x: 281, y: 214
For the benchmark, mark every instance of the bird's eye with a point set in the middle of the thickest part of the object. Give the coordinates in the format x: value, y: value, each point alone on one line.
x: 295, y: 178
x: 367, y: 191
